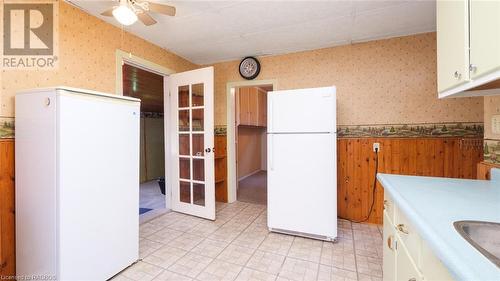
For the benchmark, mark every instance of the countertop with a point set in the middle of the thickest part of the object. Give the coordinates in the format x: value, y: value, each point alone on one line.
x: 433, y: 204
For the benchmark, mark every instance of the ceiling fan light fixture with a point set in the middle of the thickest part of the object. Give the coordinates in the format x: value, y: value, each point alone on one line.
x: 124, y: 15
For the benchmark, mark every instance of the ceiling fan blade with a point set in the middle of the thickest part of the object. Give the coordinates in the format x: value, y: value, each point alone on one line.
x: 108, y: 13
x: 162, y: 9
x: 146, y: 19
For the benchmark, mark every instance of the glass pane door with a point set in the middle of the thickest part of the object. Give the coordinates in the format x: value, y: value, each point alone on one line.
x: 191, y: 144
x: 193, y: 189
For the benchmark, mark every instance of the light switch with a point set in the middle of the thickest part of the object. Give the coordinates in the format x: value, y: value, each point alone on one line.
x: 495, y: 124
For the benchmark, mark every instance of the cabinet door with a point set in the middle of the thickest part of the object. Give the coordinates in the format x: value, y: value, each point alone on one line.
x: 484, y: 37
x: 244, y: 106
x: 389, y: 250
x: 406, y: 269
x: 452, y: 43
x: 253, y: 106
x: 432, y: 268
x: 262, y: 109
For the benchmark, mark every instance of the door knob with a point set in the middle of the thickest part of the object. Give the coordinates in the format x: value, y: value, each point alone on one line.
x: 207, y: 150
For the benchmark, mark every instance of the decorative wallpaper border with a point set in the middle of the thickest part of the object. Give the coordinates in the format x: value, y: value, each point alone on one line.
x: 7, y: 127
x: 428, y: 130
x: 492, y: 151
x: 155, y: 115
x: 220, y: 130
x: 465, y: 130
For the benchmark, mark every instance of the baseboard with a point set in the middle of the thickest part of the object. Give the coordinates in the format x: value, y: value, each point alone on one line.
x: 251, y: 174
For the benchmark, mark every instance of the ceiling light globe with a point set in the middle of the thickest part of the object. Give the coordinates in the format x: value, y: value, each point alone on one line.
x: 124, y: 15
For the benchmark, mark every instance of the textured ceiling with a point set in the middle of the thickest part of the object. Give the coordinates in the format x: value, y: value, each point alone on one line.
x: 205, y: 32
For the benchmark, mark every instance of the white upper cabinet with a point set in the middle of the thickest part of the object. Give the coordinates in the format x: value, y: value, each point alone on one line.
x: 468, y: 47
x: 452, y: 43
x: 484, y: 37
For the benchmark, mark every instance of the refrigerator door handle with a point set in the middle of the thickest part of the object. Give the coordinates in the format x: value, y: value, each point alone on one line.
x: 270, y: 120
x: 271, y: 149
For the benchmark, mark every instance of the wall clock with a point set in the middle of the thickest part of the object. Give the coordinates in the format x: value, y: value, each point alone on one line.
x: 249, y: 68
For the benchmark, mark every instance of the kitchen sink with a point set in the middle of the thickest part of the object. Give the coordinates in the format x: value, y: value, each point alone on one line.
x: 484, y: 236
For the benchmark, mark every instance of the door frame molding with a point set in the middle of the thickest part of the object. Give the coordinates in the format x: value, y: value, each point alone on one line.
x: 231, y: 132
x: 122, y: 58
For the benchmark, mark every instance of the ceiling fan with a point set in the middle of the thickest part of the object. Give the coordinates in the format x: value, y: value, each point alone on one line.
x: 129, y: 11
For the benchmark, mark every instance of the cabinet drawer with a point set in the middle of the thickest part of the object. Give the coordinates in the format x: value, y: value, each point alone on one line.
x: 389, y: 207
x: 409, y: 237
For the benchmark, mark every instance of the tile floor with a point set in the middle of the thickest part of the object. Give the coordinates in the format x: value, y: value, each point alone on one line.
x: 238, y: 246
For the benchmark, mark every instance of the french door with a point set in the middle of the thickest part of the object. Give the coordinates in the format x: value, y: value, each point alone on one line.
x: 191, y: 137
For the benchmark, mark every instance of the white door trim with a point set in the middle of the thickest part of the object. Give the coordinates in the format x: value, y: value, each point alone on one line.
x: 231, y: 135
x: 127, y: 58
x: 124, y: 57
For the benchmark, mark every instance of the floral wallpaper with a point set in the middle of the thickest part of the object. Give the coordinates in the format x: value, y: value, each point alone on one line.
x: 87, y: 58
x: 390, y: 81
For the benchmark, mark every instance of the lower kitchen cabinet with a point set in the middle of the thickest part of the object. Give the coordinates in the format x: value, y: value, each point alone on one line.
x: 389, y: 251
x: 406, y: 268
x: 406, y: 256
x: 432, y: 267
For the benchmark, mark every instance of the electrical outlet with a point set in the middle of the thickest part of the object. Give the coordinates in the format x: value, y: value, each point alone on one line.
x: 376, y: 147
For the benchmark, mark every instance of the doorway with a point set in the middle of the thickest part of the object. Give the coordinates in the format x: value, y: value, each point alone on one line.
x: 148, y: 86
x: 250, y: 132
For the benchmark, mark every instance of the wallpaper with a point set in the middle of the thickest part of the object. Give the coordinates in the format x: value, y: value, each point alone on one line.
x: 390, y: 81
x: 491, y: 107
x: 491, y: 141
x: 87, y: 47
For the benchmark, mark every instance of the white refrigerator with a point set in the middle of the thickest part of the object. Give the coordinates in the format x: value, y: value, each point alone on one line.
x: 302, y: 162
x: 77, y: 183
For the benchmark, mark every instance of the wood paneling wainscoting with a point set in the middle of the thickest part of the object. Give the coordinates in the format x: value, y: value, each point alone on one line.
x: 220, y: 168
x: 437, y: 157
x: 7, y: 226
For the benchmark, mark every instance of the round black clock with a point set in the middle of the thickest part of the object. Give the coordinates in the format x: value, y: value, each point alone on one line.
x: 249, y: 68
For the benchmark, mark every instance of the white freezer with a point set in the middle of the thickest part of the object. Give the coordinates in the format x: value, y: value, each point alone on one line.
x: 302, y: 111
x: 77, y: 183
